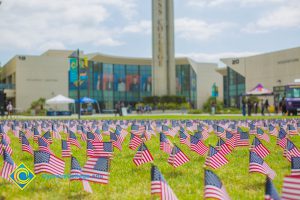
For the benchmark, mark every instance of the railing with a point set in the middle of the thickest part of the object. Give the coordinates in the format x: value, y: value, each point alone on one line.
x: 7, y: 86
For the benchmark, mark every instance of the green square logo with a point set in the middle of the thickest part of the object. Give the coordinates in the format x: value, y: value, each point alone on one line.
x: 22, y: 176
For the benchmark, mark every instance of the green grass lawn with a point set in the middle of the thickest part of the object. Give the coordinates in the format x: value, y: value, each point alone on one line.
x: 130, y: 182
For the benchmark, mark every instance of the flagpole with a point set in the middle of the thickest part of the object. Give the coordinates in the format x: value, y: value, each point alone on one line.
x: 78, y: 85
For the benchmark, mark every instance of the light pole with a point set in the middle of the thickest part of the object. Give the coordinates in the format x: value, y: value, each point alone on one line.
x: 78, y: 84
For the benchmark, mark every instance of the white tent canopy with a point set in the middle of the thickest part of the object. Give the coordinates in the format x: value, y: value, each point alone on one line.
x: 60, y: 99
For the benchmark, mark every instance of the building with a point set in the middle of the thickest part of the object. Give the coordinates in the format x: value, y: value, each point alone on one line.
x: 108, y: 79
x: 273, y: 70
x: 26, y: 78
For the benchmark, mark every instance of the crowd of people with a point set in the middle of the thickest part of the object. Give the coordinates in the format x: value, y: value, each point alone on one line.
x: 249, y: 107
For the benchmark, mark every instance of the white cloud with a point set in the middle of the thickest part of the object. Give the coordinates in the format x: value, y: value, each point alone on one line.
x: 215, y: 57
x: 32, y: 24
x: 214, y: 3
x: 143, y: 26
x: 128, y: 8
x: 287, y: 16
x: 192, y: 29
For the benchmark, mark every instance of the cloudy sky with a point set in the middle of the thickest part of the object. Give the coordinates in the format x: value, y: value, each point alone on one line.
x: 205, y: 30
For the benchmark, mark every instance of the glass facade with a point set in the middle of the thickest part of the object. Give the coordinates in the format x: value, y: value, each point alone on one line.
x: 186, y: 83
x: 234, y: 88
x: 112, y: 83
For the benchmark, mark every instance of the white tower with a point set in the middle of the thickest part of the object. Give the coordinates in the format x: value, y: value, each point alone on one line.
x: 163, y: 59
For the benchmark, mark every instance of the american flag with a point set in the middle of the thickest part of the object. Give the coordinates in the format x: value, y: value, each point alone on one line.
x: 160, y: 186
x: 44, y: 145
x: 242, y: 138
x: 121, y: 133
x: 8, y: 166
x: 252, y: 128
x: 26, y: 146
x: 198, y: 146
x: 291, y: 150
x: 4, y: 145
x: 230, y: 139
x: 105, y: 129
x: 215, y: 159
x: 65, y: 149
x: 184, y: 138
x: 76, y: 174
x: 177, y: 157
x: 142, y: 155
x: 36, y: 134
x: 271, y: 193
x: 21, y: 133
x: 295, y: 166
x: 213, y: 187
x: 259, y: 148
x: 116, y: 141
x: 96, y: 169
x: 169, y: 131
x: 137, y: 130
x: 291, y: 188
x: 165, y: 144
x: 55, y: 132
x: 291, y: 129
x: 89, y: 148
x: 204, y: 132
x: 190, y: 126
x: 220, y: 131
x: 262, y: 135
x: 273, y: 130
x: 135, y: 141
x: 45, y: 162
x: 103, y: 149
x: 282, y: 138
x: 257, y: 164
x: 222, y: 147
x: 72, y: 139
x: 98, y: 134
x: 48, y: 137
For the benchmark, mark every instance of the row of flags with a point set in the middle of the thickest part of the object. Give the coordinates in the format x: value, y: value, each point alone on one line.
x: 231, y: 134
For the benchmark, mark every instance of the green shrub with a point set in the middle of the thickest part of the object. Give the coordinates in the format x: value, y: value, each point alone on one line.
x: 195, y: 111
x: 207, y: 105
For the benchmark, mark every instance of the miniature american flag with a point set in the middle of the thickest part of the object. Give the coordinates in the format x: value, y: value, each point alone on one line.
x: 262, y: 135
x: 291, y: 188
x: 214, y: 187
x: 142, y: 155
x: 295, y: 166
x: 198, y: 146
x: 257, y: 164
x: 160, y: 186
x: 65, y: 149
x: 177, y: 157
x: 8, y: 166
x: 96, y: 170
x: 45, y: 162
x: 259, y: 148
x: 135, y: 141
x: 215, y: 159
x: 72, y: 139
x: 165, y: 144
x: 291, y: 150
x: 26, y: 146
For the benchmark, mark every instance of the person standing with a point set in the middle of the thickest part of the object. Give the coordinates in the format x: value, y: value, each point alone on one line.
x: 262, y: 107
x: 9, y: 109
x: 267, y: 106
x: 249, y: 103
x: 244, y: 107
